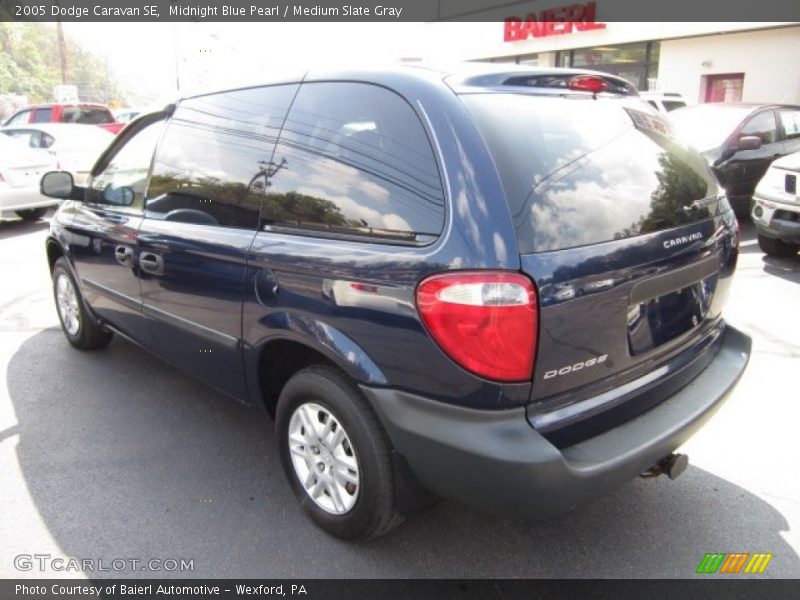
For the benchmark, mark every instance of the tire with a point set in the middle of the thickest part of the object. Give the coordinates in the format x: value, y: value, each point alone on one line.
x: 314, y: 392
x: 32, y: 214
x: 775, y: 247
x: 80, y: 328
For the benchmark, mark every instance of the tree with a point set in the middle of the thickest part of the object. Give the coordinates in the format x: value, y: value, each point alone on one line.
x: 30, y: 65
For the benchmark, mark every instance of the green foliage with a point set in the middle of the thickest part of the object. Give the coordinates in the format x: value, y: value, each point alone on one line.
x: 30, y: 65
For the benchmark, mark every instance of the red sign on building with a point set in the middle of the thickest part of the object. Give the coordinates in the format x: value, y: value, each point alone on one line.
x: 553, y: 21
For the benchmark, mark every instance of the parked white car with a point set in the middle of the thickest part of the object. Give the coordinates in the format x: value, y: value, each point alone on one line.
x: 776, y: 207
x: 663, y: 101
x: 74, y: 147
x: 21, y: 169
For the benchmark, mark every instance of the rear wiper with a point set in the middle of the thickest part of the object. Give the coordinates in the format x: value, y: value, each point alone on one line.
x: 701, y: 203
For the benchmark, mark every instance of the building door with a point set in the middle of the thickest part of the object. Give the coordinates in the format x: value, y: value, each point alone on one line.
x: 724, y: 88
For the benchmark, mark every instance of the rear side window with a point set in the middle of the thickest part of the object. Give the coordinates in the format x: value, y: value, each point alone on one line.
x: 354, y: 159
x: 86, y: 116
x: 42, y: 115
x: 30, y: 137
x: 580, y: 171
x: 214, y: 161
x: 790, y: 120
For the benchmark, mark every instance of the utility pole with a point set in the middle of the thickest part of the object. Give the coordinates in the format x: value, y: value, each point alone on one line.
x: 62, y: 52
x: 176, y: 51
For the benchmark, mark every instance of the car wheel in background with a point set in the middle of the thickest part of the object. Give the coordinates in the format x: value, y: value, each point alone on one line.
x: 81, y: 329
x: 775, y: 247
x: 31, y: 214
x: 335, y: 455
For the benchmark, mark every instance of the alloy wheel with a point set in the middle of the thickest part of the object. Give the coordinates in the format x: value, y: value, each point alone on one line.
x: 324, y: 460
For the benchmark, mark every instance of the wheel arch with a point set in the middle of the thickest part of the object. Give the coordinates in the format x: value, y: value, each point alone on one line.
x: 54, y: 252
x: 297, y: 342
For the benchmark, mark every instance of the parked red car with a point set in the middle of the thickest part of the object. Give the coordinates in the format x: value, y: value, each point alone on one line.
x: 86, y: 114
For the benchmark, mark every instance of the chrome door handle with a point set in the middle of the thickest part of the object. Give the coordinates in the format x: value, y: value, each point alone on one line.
x: 124, y: 255
x: 151, y: 263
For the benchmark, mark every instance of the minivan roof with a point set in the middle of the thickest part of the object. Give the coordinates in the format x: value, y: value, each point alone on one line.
x: 460, y: 77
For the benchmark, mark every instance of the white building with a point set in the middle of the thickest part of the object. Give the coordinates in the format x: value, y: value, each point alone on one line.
x: 704, y: 62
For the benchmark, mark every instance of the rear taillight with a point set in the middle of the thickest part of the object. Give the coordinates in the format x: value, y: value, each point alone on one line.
x: 485, y: 321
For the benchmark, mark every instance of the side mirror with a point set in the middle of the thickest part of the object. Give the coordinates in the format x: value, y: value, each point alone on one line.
x: 57, y: 184
x: 748, y: 142
x: 118, y: 196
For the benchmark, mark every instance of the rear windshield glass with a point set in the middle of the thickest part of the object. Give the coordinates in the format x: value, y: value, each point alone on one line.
x: 580, y: 171
x: 671, y: 105
x: 86, y: 116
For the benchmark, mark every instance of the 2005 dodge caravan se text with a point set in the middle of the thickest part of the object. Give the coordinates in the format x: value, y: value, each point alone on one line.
x: 498, y: 286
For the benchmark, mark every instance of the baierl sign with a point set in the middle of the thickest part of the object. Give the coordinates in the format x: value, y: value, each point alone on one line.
x: 552, y: 21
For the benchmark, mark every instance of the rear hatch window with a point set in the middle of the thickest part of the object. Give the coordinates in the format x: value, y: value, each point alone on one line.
x: 580, y: 171
x: 86, y: 115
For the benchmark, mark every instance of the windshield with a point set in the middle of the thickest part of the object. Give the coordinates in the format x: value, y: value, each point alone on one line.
x: 579, y: 171
x: 707, y: 126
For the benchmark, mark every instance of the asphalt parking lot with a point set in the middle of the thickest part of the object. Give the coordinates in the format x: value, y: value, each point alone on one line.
x: 114, y: 454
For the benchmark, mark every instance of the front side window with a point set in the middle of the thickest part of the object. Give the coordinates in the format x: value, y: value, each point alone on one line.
x: 213, y: 164
x: 20, y: 118
x: 122, y: 183
x: 354, y: 159
x: 764, y: 126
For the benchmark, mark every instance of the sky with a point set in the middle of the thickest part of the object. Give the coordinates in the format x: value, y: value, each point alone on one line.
x: 146, y: 56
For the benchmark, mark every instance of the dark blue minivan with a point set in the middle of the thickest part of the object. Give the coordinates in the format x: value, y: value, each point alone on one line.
x: 502, y: 286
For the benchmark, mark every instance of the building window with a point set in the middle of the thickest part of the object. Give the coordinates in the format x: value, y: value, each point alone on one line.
x: 637, y: 63
x: 724, y: 88
x: 530, y: 60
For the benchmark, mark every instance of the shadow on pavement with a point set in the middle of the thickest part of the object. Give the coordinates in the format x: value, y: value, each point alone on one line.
x: 126, y: 457
x: 12, y: 228
x: 786, y: 268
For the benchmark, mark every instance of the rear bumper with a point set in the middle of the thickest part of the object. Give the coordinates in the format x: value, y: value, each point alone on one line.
x: 23, y: 198
x: 496, y: 461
